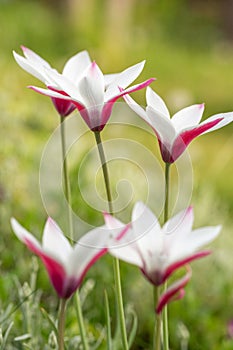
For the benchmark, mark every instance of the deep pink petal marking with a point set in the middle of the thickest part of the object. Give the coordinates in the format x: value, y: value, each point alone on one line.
x: 55, y: 270
x: 175, y: 292
x: 108, y: 106
x: 172, y: 268
x: 184, y: 139
x: 98, y: 255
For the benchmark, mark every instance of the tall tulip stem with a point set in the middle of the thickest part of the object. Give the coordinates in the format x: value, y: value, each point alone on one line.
x: 166, y: 216
x: 115, y: 261
x: 66, y: 177
x: 158, y: 322
x: 61, y: 324
x: 71, y: 227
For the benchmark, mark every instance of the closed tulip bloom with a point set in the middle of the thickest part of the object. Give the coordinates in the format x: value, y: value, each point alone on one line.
x: 175, y: 134
x: 66, y: 265
x: 160, y: 251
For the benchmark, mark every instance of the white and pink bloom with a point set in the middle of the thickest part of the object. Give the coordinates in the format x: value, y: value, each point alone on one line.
x: 66, y: 265
x: 37, y: 66
x: 83, y: 85
x: 160, y: 251
x: 175, y: 134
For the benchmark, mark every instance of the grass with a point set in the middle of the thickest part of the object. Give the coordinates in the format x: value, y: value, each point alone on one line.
x: 188, y: 71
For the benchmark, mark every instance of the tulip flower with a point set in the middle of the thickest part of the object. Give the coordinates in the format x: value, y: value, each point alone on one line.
x: 83, y: 85
x: 160, y: 251
x: 66, y: 265
x: 175, y: 134
x: 36, y: 65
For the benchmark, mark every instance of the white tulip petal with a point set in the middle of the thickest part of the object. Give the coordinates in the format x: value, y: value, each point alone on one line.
x: 76, y: 65
x: 109, y: 78
x: 23, y: 235
x: 91, y: 86
x: 34, y: 58
x: 50, y: 93
x: 162, y: 126
x: 136, y: 108
x: 36, y: 71
x: 183, y: 221
x: 87, y: 249
x: 156, y: 102
x: 123, y: 80
x: 227, y: 118
x: 192, y: 242
x: 188, y: 117
x: 147, y: 231
x: 128, y: 253
x: 54, y: 242
x: 65, y: 85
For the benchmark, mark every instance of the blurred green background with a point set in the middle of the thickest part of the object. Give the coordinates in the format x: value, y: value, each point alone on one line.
x: 188, y: 47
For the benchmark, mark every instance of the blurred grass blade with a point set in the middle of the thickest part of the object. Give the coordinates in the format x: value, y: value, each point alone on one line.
x: 134, y: 327
x: 50, y: 320
x: 108, y: 321
x: 4, y: 340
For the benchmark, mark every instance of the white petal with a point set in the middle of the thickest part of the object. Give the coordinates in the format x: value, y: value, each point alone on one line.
x: 87, y: 249
x: 64, y: 84
x: 162, y: 126
x: 23, y: 235
x: 112, y: 222
x: 123, y: 80
x: 34, y: 58
x: 36, y: 71
x: 148, y: 234
x: 156, y: 102
x: 192, y: 242
x: 109, y: 78
x: 50, y: 93
x: 91, y: 86
x: 76, y: 65
x: 54, y: 242
x: 128, y: 253
x: 182, y: 221
x: 188, y: 117
x: 136, y: 108
x: 227, y: 118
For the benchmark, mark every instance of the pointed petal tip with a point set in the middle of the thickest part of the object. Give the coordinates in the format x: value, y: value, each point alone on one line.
x: 202, y: 105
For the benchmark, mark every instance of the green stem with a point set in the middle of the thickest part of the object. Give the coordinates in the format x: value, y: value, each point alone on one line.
x: 61, y: 324
x: 108, y: 321
x: 166, y: 215
x: 158, y: 323
x: 115, y: 261
x: 167, y: 188
x: 81, y: 321
x: 104, y: 169
x: 71, y: 228
x: 66, y: 177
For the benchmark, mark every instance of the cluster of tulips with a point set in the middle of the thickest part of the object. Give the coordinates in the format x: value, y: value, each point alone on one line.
x: 159, y: 250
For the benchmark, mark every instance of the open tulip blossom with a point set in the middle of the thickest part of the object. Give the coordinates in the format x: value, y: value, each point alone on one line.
x: 82, y: 84
x: 66, y: 265
x: 175, y: 134
x: 160, y: 251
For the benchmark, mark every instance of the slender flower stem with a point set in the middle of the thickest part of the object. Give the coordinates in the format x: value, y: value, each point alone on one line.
x: 61, y: 324
x: 80, y: 321
x: 166, y: 215
x: 115, y: 261
x: 71, y: 228
x: 66, y: 177
x: 158, y: 324
x: 104, y: 169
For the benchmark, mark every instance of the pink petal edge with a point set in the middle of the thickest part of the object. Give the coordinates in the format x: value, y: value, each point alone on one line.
x: 175, y: 291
